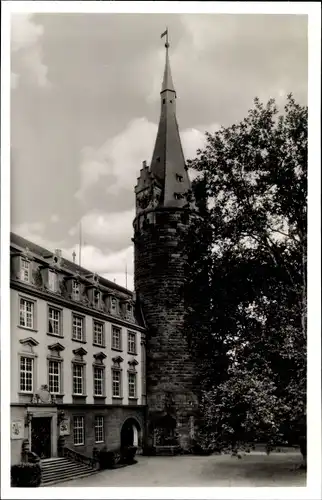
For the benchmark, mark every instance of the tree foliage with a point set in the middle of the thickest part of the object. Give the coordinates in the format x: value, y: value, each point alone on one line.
x: 254, y: 178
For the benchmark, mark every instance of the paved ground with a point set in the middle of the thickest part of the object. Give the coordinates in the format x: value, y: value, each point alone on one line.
x: 257, y: 469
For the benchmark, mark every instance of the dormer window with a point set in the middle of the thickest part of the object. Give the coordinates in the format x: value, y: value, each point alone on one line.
x: 25, y: 270
x: 129, y: 310
x: 97, y: 299
x: 113, y: 305
x: 75, y: 290
x: 52, y: 281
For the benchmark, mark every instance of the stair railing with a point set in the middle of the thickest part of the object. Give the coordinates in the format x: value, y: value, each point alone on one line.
x: 79, y: 457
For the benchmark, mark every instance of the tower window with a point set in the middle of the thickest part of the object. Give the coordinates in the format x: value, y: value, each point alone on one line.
x: 178, y: 196
x: 171, y: 101
x: 158, y: 159
x: 179, y: 178
x: 163, y: 101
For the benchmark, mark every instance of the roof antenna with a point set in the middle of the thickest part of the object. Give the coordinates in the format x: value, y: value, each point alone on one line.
x: 80, y: 245
x: 125, y: 274
x: 74, y: 256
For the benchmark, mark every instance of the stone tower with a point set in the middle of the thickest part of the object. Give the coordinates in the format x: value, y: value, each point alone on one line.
x: 164, y: 207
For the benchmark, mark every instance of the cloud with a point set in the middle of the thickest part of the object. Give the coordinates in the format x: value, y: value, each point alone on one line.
x: 107, y: 263
x: 26, y: 48
x: 54, y: 218
x: 119, y: 159
x: 114, y: 229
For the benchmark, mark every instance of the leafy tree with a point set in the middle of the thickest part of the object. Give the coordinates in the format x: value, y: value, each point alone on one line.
x: 255, y: 178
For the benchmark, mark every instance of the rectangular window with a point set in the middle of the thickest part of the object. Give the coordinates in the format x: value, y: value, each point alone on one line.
x: 26, y: 313
x: 78, y: 327
x: 75, y: 290
x: 116, y: 381
x: 132, y: 385
x: 113, y: 305
x: 52, y: 281
x: 131, y: 343
x: 78, y: 379
x: 26, y: 374
x: 25, y: 270
x: 54, y: 377
x: 99, y: 429
x: 116, y: 337
x: 78, y: 430
x: 129, y: 310
x: 97, y: 299
x: 98, y: 333
x: 54, y: 321
x: 98, y: 381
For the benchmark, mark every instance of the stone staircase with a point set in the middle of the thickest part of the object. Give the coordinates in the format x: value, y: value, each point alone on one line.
x: 56, y: 470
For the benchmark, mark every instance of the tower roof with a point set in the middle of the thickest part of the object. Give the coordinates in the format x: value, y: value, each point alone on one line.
x: 168, y: 163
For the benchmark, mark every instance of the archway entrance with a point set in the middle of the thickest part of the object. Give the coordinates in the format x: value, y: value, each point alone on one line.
x: 130, y: 433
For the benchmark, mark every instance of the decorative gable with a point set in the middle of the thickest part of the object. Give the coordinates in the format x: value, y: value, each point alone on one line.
x: 79, y: 353
x: 99, y: 358
x: 28, y: 344
x: 132, y: 364
x: 117, y: 361
x: 55, y: 349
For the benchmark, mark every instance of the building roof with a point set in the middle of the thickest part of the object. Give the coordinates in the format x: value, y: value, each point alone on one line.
x: 168, y: 164
x: 67, y: 265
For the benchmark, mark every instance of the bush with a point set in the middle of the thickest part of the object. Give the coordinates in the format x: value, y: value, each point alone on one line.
x: 25, y: 475
x: 128, y: 454
x: 201, y: 449
x: 106, y: 459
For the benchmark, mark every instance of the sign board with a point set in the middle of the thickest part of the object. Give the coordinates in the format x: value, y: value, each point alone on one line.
x: 64, y: 427
x: 18, y: 429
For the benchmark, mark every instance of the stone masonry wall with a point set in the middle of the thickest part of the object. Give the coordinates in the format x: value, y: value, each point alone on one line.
x: 159, y: 280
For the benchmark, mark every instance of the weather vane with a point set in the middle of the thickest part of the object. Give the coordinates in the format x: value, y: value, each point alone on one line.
x: 165, y: 33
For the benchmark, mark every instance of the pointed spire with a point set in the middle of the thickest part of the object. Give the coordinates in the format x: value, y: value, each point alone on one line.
x: 167, y: 77
x: 168, y: 163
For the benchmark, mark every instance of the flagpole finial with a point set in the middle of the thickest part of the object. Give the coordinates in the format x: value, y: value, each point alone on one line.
x: 165, y: 33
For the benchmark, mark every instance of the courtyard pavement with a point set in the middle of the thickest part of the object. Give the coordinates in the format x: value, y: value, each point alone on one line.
x: 256, y: 469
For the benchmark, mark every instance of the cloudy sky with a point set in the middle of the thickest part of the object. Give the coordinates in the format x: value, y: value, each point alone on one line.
x: 85, y: 106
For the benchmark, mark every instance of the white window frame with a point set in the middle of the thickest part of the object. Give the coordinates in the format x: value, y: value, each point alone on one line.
x: 25, y: 271
x: 25, y: 314
x: 76, y: 427
x: 132, y: 384
x: 52, y: 280
x: 99, y: 426
x: 76, y: 328
x: 102, y: 333
x: 77, y: 377
x: 119, y: 330
x: 117, y: 383
x: 56, y: 375
x: 25, y: 371
x: 131, y: 339
x: 55, y: 321
x: 100, y: 369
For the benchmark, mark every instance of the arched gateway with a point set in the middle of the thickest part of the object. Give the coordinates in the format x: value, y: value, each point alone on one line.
x: 131, y: 433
